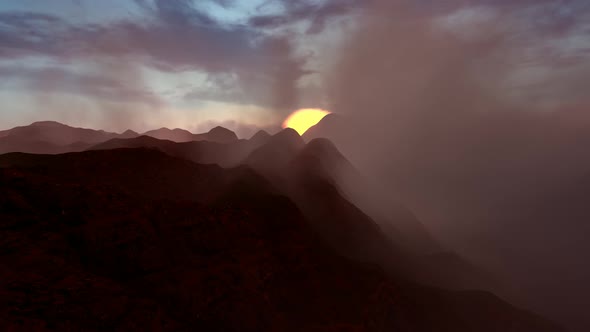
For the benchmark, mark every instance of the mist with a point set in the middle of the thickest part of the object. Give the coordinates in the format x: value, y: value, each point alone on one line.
x: 447, y: 112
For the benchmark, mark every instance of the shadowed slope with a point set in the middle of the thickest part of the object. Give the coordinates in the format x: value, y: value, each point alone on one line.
x: 204, y: 152
x: 135, y: 239
x: 323, y: 184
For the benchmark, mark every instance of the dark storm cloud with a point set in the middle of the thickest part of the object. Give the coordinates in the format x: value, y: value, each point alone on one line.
x: 180, y: 12
x: 29, y: 34
x: 317, y: 14
x: 180, y: 37
x: 177, y: 37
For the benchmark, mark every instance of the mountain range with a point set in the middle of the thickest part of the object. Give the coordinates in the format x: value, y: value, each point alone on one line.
x: 49, y: 137
x: 173, y: 231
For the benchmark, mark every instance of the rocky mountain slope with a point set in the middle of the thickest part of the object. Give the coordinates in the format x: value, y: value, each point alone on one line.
x: 134, y: 239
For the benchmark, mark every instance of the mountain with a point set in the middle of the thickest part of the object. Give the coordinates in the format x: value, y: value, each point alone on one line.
x: 306, y: 171
x: 217, y: 135
x: 128, y: 134
x: 321, y: 158
x: 273, y: 156
x: 60, y: 134
x: 300, y: 170
x: 510, y: 198
x: 341, y: 223
x: 142, y: 141
x: 261, y: 137
x: 229, y: 154
x: 330, y: 126
x: 22, y: 144
x: 340, y: 203
x: 175, y: 135
x: 49, y: 137
x: 135, y: 239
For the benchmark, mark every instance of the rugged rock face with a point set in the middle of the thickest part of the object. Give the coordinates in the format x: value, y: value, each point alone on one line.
x: 133, y: 239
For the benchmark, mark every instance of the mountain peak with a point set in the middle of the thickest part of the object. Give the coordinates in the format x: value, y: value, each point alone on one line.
x: 287, y: 140
x: 48, y: 124
x: 221, y: 135
x: 221, y: 130
x: 288, y: 131
x: 176, y: 135
x: 321, y: 144
x: 276, y: 151
x: 260, y: 136
x: 129, y: 134
x: 288, y: 135
x: 321, y: 152
x: 324, y: 127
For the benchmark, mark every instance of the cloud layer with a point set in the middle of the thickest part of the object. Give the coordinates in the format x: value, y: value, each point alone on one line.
x: 271, y: 54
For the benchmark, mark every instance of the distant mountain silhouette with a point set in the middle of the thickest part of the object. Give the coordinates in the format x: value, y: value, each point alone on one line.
x: 129, y: 134
x: 271, y: 179
x: 217, y: 135
x: 260, y: 137
x: 135, y: 239
x: 175, y: 135
x: 49, y: 137
x: 204, y: 152
x: 15, y: 143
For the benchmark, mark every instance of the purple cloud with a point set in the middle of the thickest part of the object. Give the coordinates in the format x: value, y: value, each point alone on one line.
x: 177, y: 37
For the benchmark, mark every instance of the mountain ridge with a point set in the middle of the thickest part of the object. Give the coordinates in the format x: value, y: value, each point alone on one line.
x: 154, y: 241
x: 54, y: 137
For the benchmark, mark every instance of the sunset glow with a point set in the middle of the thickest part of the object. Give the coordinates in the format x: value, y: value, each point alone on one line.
x: 304, y: 119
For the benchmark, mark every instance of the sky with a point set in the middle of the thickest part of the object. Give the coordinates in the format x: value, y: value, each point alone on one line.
x: 144, y: 64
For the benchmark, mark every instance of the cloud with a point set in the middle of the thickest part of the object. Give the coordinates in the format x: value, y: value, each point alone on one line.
x: 29, y: 33
x: 316, y: 14
x: 176, y: 37
x: 92, y: 85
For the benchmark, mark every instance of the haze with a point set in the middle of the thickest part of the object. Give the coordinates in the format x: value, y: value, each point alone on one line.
x: 473, y: 114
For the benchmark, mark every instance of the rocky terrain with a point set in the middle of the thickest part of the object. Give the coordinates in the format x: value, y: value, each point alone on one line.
x: 142, y: 234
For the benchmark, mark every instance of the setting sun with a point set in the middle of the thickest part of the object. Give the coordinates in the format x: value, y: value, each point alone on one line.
x: 304, y: 119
